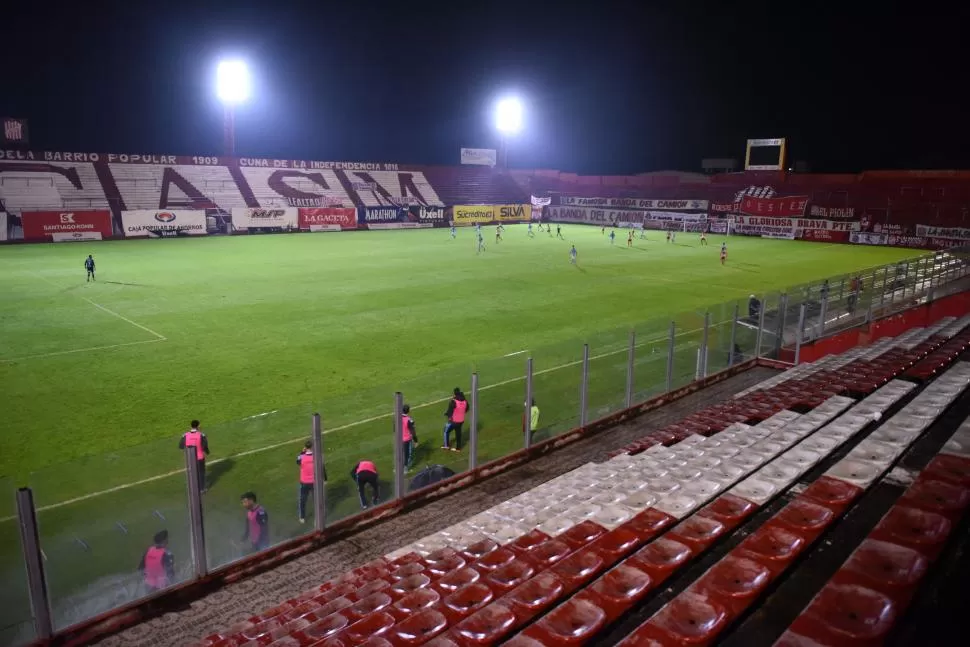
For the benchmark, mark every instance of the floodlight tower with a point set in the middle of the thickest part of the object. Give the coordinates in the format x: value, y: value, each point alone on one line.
x: 508, y: 122
x: 232, y: 88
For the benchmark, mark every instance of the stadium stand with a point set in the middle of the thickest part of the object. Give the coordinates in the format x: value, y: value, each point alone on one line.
x: 589, y: 554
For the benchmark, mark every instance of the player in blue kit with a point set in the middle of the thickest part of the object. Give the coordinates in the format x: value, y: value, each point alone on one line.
x: 454, y: 231
x: 89, y: 266
x: 572, y: 255
x: 481, y: 242
x: 531, y: 233
x: 612, y: 236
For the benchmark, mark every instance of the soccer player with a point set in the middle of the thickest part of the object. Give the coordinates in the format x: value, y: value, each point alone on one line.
x: 612, y: 236
x: 89, y: 266
x: 257, y: 523
x: 723, y: 253
x: 703, y: 239
x: 572, y: 255
x: 673, y: 237
x: 307, y: 476
x: 409, y: 437
x: 498, y: 234
x: 157, y: 565
x: 365, y: 473
x: 559, y: 231
x: 481, y: 242
x: 531, y: 234
x: 454, y: 231
x: 455, y: 415
x: 629, y: 239
x: 668, y: 235
x: 195, y: 438
x: 643, y: 234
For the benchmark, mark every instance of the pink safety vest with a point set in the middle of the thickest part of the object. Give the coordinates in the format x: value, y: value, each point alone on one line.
x: 306, y: 468
x: 155, y: 575
x: 405, y: 428
x: 366, y: 466
x: 194, y: 439
x: 255, y: 530
x: 458, y: 415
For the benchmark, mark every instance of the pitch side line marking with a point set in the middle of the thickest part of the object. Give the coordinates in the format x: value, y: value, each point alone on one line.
x: 350, y: 425
x: 82, y: 350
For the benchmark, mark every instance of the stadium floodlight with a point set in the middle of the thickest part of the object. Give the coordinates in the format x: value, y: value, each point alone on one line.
x: 232, y: 82
x: 508, y: 116
x: 232, y: 88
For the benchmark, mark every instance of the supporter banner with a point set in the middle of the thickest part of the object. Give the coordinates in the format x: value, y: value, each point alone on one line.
x: 617, y: 216
x: 944, y: 243
x: 765, y: 231
x: 44, y: 224
x: 76, y: 237
x: 785, y: 207
x: 907, y: 241
x: 866, y: 238
x: 283, y: 219
x: 825, y: 235
x: 781, y: 236
x: 328, y: 219
x: 513, y: 212
x: 3, y: 226
x: 635, y: 203
x: 723, y: 207
x: 142, y: 223
x: 815, y: 211
x: 953, y: 233
x: 471, y: 214
x: 797, y: 223
x: 480, y: 156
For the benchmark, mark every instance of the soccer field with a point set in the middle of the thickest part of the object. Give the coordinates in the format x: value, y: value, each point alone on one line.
x: 251, y: 334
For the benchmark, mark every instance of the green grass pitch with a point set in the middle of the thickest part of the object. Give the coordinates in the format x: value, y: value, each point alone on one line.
x: 251, y: 334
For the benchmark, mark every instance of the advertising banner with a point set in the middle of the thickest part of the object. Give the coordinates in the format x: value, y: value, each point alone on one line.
x: 797, y: 223
x: 76, y: 237
x: 423, y: 216
x: 784, y: 207
x: 635, y: 203
x: 284, y: 219
x: 143, y: 223
x: 953, y: 233
x: 3, y: 226
x: 620, y: 217
x: 414, y: 217
x: 44, y: 224
x: 816, y: 211
x: 723, y: 207
x: 825, y: 235
x: 472, y: 214
x: 328, y: 219
x: 867, y: 238
x: 513, y: 212
x: 480, y: 156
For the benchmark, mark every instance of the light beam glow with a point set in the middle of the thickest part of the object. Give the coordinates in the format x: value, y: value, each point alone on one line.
x: 232, y: 82
x: 508, y: 115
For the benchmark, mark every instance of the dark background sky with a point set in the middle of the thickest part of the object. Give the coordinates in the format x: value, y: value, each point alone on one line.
x: 611, y: 87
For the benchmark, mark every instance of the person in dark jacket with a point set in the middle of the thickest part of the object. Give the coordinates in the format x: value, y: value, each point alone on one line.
x: 365, y: 473
x: 457, y: 410
x: 754, y: 307
x: 157, y: 565
x: 257, y: 523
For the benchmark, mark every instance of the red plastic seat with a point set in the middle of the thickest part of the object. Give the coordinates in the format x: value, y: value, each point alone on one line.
x: 937, y: 496
x: 579, y: 568
x: 479, y: 549
x: 573, y: 623
x: 415, y: 602
x: 494, y: 559
x: 660, y: 558
x: 618, y: 590
x: 509, y: 576
x: 581, y: 534
x: 419, y: 628
x: 846, y: 612
x: 616, y: 544
x: 374, y: 624
x: 690, y: 618
x: 528, y: 541
x: 832, y: 493
x: 456, y: 580
x: 535, y: 596
x: 733, y: 578
x: 404, y: 586
x: 772, y: 545
x: 648, y: 523
x: 697, y: 532
x: 918, y: 529
x: 730, y: 510
x: 467, y: 600
x: 549, y: 552
x: 371, y: 604
x: 949, y: 468
x: 487, y: 626
x: 885, y: 566
x: 804, y: 516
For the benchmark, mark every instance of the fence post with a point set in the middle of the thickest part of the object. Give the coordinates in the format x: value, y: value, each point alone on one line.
x: 779, y: 340
x: 196, y: 528
x: 702, y: 365
x: 842, y: 289
x: 823, y: 311
x: 399, y: 466
x: 734, y: 338
x: 885, y: 284
x: 40, y: 603
x: 319, y: 476
x: 670, y: 357
x: 630, y: 361
x: 584, y: 389
x: 528, y: 403
x: 798, y: 333
x: 473, y: 432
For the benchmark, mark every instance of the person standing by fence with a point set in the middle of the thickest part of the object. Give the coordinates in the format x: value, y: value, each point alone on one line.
x: 157, y: 565
x: 257, y: 523
x: 409, y: 437
x: 457, y: 408
x: 307, y: 477
x: 195, y: 438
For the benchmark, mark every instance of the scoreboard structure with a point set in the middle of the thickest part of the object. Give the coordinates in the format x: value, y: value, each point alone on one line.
x: 765, y: 154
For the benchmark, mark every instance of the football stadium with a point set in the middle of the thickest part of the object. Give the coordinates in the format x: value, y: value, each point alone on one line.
x: 259, y: 401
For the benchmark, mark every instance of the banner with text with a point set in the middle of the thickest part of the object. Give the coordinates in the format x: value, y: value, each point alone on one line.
x: 472, y: 214
x: 284, y: 219
x: 480, y: 156
x: 414, y: 217
x: 825, y: 235
x: 513, y: 212
x: 635, y: 203
x: 145, y: 223
x: 328, y: 219
x: 621, y: 217
x: 952, y: 233
x: 845, y: 213
x: 796, y: 223
x: 43, y: 225
x: 784, y: 207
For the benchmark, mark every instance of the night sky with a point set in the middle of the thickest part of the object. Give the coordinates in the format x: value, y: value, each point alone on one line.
x: 610, y: 87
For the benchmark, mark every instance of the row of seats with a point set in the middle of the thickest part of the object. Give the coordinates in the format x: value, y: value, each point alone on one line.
x: 557, y: 564
x: 869, y: 593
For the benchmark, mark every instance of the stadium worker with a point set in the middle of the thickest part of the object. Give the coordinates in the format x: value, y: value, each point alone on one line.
x: 754, y: 307
x: 257, y: 523
x: 409, y: 436
x: 157, y: 565
x: 455, y: 414
x: 307, y: 476
x: 533, y: 417
x: 195, y: 438
x: 89, y: 266
x: 365, y: 473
